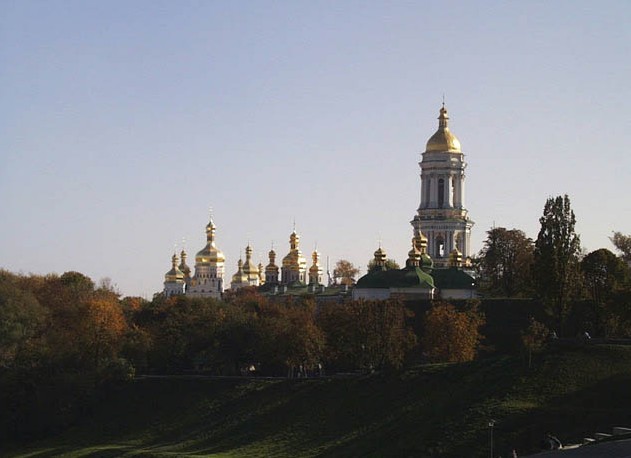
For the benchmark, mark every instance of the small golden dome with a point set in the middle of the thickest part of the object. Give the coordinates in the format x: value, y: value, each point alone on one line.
x: 443, y: 140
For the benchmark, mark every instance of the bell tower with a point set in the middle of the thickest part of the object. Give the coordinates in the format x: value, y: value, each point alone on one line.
x: 442, y: 216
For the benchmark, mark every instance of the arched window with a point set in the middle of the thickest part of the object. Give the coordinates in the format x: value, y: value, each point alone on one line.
x: 440, y: 247
x: 441, y: 193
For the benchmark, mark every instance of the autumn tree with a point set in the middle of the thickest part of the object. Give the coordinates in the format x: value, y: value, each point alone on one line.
x: 103, y: 327
x: 623, y: 245
x: 506, y: 262
x: 345, y: 271
x: 22, y: 324
x: 390, y: 264
x: 451, y: 335
x: 289, y: 337
x: 367, y: 334
x: 557, y: 250
x: 181, y: 330
x: 534, y: 338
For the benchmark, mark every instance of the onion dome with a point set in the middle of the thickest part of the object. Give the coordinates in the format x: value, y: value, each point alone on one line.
x: 414, y: 256
x: 240, y: 277
x: 271, y: 270
x: 249, y: 268
x: 175, y: 274
x: 315, y: 270
x: 272, y: 267
x: 455, y: 258
x: 420, y: 241
x: 210, y: 253
x: 294, y: 259
x: 379, y: 259
x: 186, y: 270
x: 261, y: 273
x: 443, y: 140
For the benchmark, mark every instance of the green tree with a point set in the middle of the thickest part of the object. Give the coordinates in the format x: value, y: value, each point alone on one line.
x: 390, y: 264
x: 603, y: 274
x: 22, y: 324
x: 345, y: 271
x: 557, y: 250
x: 623, y: 244
x: 451, y: 335
x: 506, y: 262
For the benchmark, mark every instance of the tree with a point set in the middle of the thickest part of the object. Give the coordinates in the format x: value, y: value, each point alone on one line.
x: 289, y: 337
x: 623, y: 244
x: 390, y: 264
x: 603, y: 273
x: 451, y: 335
x: 506, y: 262
x: 534, y: 338
x: 556, y: 256
x: 22, y: 322
x: 345, y: 271
x: 366, y: 334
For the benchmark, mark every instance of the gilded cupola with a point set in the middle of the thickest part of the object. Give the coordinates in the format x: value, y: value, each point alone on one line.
x: 443, y: 140
x: 210, y: 253
x: 175, y: 274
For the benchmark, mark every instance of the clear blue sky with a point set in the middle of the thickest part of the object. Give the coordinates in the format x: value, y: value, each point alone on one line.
x: 122, y: 122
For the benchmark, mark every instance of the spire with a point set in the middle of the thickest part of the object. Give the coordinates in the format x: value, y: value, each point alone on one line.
x: 443, y: 118
x: 210, y: 228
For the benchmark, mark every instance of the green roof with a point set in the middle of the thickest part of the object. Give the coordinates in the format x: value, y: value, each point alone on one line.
x: 395, y: 278
x: 453, y: 278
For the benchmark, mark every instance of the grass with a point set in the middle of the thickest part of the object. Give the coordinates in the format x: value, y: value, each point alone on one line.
x: 434, y: 410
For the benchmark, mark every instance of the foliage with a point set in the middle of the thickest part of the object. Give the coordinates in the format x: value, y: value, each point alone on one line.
x: 22, y: 322
x: 451, y: 335
x: 366, y: 334
x: 622, y: 243
x: 534, y: 338
x: 290, y: 337
x: 506, y: 262
x: 603, y: 273
x: 345, y: 271
x: 557, y: 250
x: 390, y: 264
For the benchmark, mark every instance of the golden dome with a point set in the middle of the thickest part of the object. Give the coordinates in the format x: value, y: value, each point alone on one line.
x: 175, y: 274
x: 240, y: 276
x: 443, y: 140
x: 210, y: 253
x: 380, y: 254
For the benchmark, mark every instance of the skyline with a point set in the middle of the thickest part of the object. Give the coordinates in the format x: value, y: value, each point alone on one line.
x: 123, y: 123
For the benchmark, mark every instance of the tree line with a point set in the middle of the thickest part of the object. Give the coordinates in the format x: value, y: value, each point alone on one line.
x: 591, y: 290
x: 64, y: 339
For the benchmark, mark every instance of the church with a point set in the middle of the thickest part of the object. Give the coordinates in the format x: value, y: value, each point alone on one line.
x: 438, y: 263
x: 440, y: 255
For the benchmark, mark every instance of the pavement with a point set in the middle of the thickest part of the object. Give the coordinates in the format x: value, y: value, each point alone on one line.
x: 608, y: 449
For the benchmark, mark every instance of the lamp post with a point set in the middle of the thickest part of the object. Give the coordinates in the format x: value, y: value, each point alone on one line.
x: 491, y: 425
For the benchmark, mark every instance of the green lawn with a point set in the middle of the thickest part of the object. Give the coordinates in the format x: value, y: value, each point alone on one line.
x: 435, y: 410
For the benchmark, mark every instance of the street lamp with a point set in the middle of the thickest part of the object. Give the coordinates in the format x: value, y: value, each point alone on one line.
x: 491, y: 425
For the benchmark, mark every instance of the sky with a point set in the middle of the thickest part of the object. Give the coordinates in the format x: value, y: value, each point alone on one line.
x: 122, y: 123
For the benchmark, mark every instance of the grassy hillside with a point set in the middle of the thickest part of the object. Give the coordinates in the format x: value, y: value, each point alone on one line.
x: 437, y: 410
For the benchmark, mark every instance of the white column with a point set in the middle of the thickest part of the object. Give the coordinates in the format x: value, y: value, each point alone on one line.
x: 462, y: 204
x: 432, y: 191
